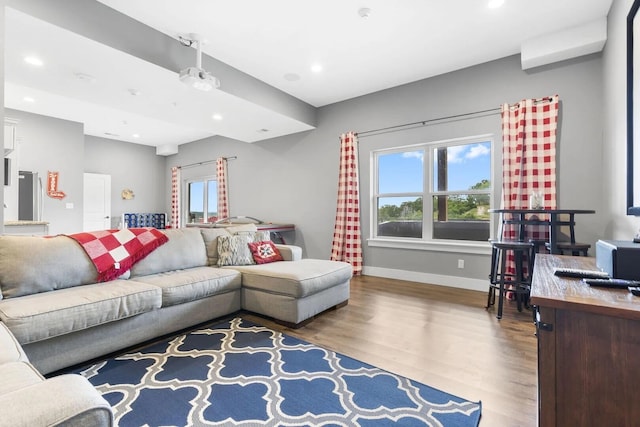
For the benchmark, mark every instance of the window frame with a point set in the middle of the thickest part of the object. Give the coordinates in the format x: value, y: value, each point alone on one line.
x: 427, y: 194
x: 205, y: 198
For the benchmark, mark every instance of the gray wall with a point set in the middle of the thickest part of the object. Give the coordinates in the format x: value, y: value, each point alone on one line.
x: 579, y: 147
x: 49, y: 144
x: 295, y: 178
x: 617, y: 224
x: 131, y: 166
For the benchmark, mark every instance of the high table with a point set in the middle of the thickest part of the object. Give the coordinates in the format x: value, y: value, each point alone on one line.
x: 519, y: 218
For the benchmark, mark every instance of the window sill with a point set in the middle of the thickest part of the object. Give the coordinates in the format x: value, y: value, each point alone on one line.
x: 458, y: 246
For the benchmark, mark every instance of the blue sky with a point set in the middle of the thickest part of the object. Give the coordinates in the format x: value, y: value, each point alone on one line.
x: 402, y: 172
x: 197, y: 196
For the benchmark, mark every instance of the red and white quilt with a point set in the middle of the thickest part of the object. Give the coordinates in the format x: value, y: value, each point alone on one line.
x: 114, y: 252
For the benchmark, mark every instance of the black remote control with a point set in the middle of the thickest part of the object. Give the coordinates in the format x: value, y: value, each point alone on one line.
x: 612, y: 283
x: 575, y: 272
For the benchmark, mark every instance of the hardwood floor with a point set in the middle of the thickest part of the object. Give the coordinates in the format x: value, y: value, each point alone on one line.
x: 439, y: 336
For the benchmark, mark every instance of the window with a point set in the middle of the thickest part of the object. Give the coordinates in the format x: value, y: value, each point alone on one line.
x: 433, y: 191
x: 202, y: 200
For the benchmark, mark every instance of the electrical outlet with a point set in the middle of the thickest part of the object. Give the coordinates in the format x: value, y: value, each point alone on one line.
x: 460, y: 263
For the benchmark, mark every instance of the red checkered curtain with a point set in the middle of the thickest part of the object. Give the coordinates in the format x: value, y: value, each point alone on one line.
x: 347, y: 242
x: 175, y: 197
x: 223, y: 189
x: 529, y: 158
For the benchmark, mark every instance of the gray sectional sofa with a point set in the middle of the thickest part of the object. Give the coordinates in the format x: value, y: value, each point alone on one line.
x: 59, y: 317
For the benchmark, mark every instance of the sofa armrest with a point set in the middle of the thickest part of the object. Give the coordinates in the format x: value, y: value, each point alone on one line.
x: 68, y: 400
x: 290, y: 252
x: 10, y: 349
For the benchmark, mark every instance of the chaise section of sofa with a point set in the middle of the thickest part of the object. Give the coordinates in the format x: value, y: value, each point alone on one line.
x: 294, y: 292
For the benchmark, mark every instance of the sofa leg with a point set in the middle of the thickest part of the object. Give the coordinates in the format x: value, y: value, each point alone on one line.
x: 291, y: 325
x: 307, y: 321
x: 342, y: 304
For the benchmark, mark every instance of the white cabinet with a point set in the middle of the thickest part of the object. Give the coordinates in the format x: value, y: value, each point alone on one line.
x: 9, y: 135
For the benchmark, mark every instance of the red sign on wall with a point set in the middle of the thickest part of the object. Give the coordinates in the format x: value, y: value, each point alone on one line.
x: 52, y: 186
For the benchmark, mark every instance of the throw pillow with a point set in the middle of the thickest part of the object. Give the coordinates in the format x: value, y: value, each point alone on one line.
x: 264, y: 252
x: 210, y: 236
x: 234, y: 250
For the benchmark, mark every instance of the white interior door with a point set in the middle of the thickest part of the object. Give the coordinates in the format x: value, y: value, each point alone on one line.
x: 97, y: 202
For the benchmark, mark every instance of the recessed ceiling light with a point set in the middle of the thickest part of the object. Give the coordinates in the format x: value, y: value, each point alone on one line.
x: 216, y: 117
x: 364, y: 12
x: 291, y: 77
x: 32, y: 60
x: 316, y: 68
x: 28, y: 99
x: 494, y: 4
x: 136, y: 135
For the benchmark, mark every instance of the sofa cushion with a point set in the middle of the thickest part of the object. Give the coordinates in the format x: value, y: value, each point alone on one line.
x: 210, y: 236
x: 181, y: 286
x: 297, y: 279
x: 184, y: 249
x: 40, y: 316
x: 32, y: 264
x: 17, y: 375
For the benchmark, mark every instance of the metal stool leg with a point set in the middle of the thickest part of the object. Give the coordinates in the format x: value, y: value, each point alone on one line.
x: 503, y: 261
x: 491, y: 295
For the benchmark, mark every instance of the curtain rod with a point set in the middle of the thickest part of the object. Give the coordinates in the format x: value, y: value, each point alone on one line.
x: 455, y: 116
x: 205, y: 162
x: 424, y: 122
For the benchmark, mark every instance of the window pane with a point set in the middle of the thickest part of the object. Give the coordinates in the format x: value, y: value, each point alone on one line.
x: 461, y: 217
x: 196, y: 201
x: 400, y: 216
x: 400, y: 172
x: 462, y: 167
x: 212, y: 201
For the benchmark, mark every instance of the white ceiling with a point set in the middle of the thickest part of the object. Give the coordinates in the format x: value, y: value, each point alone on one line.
x: 399, y: 42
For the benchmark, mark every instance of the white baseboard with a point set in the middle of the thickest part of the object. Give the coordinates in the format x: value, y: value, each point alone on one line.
x: 433, y: 279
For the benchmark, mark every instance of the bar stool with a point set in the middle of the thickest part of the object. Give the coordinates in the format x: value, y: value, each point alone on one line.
x: 503, y: 282
x: 572, y: 247
x: 575, y: 249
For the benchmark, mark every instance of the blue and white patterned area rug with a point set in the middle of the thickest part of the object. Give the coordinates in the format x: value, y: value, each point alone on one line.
x: 238, y: 373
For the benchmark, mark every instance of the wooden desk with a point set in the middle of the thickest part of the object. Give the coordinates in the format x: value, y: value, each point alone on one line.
x: 519, y: 218
x: 588, y: 348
